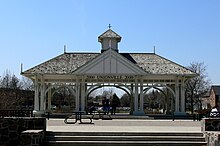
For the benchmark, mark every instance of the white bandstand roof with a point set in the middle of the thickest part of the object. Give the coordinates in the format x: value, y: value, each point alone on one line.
x: 109, y: 62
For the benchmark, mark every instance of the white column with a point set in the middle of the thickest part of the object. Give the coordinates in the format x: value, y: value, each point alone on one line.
x: 36, y: 95
x: 77, y: 95
x: 177, y: 96
x: 136, y: 97
x: 42, y: 96
x: 141, y: 97
x: 182, y: 96
x: 132, y: 98
x: 83, y: 95
x: 49, y: 100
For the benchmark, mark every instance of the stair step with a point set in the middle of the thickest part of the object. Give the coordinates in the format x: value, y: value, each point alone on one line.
x: 124, y: 138
x: 196, y: 134
x: 124, y: 143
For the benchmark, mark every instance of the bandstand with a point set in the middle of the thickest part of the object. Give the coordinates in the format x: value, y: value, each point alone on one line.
x: 134, y: 73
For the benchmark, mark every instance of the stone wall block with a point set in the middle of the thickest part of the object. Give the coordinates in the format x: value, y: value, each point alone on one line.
x: 11, y: 129
x: 210, y: 124
x: 30, y: 124
x: 4, y: 131
x: 32, y: 137
x: 20, y: 122
x: 13, y: 135
x: 20, y: 129
x: 14, y: 142
x: 26, y: 140
x: 212, y: 138
x: 211, y: 129
x: 4, y: 124
x: 4, y: 139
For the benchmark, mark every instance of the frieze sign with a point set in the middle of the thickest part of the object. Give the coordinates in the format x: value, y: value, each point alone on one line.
x: 104, y: 77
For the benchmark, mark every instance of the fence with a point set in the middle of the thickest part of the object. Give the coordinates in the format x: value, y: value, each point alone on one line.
x: 16, y: 113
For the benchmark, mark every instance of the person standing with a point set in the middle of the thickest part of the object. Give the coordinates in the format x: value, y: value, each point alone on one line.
x: 105, y: 104
x: 114, y: 104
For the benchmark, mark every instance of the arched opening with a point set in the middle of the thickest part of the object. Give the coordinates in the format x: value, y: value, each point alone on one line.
x: 159, y: 100
x: 60, y: 99
x: 96, y: 93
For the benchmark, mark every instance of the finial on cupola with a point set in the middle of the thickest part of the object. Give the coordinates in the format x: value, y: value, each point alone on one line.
x: 109, y: 26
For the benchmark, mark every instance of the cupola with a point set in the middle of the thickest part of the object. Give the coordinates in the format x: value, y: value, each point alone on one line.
x: 109, y: 40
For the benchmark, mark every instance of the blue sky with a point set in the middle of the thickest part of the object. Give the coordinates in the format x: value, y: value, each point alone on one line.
x: 184, y: 31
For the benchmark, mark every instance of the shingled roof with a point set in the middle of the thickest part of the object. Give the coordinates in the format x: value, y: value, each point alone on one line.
x: 157, y: 65
x: 109, y: 34
x: 67, y: 63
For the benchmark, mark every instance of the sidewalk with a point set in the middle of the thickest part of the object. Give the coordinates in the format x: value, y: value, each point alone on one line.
x: 126, y: 125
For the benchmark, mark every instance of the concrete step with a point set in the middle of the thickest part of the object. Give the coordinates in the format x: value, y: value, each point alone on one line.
x: 123, y: 143
x: 195, y: 134
x: 124, y: 138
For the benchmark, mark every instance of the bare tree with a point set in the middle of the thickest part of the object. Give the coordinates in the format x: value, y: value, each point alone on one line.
x: 6, y: 78
x: 14, y: 83
x: 27, y: 84
x: 1, y: 82
x: 10, y: 81
x: 108, y: 93
x: 11, y: 94
x: 197, y: 87
x: 125, y: 100
x: 93, y: 94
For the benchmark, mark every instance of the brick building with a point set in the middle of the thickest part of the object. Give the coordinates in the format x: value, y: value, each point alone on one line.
x: 214, y: 98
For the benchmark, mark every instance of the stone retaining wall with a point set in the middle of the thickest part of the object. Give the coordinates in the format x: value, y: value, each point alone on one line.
x: 32, y: 137
x: 11, y: 128
x: 210, y: 124
x: 212, y: 138
x: 211, y: 129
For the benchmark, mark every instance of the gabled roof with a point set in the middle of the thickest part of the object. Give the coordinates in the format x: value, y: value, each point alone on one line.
x: 150, y: 63
x: 109, y: 34
x: 216, y: 89
x: 111, y: 62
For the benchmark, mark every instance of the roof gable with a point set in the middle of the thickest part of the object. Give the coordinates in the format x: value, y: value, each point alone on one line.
x: 110, y: 62
x: 216, y: 90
